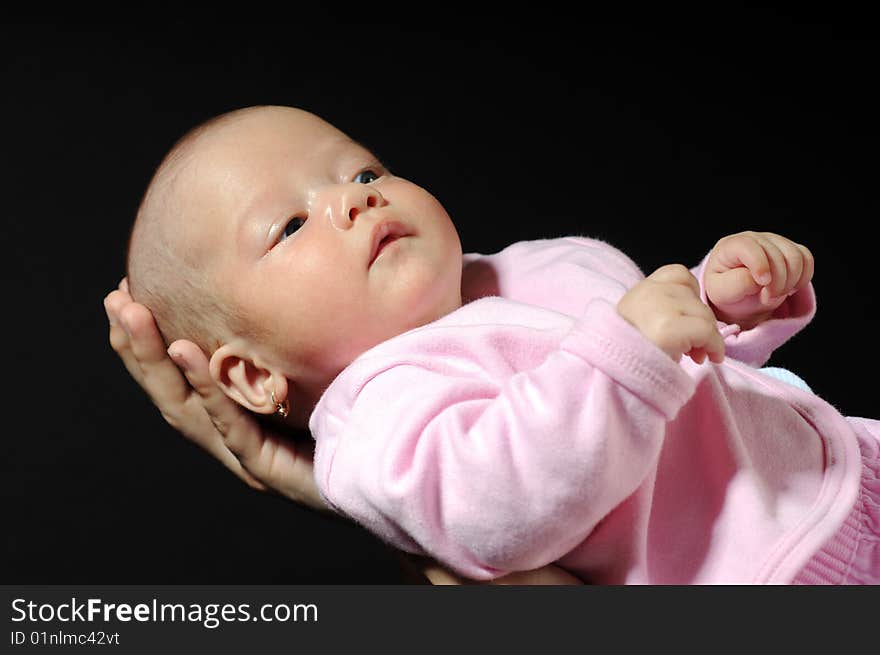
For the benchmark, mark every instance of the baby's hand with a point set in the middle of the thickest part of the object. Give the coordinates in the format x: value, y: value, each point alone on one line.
x: 667, y: 309
x: 750, y: 274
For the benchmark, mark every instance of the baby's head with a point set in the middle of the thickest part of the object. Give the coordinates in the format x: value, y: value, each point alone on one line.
x: 284, y: 249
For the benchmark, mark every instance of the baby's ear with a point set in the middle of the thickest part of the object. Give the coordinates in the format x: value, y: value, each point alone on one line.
x: 247, y: 383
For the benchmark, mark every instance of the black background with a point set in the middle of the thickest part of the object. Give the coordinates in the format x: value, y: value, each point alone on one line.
x: 659, y: 137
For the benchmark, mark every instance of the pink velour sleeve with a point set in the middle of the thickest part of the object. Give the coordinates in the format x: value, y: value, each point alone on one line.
x: 490, y: 474
x: 755, y: 346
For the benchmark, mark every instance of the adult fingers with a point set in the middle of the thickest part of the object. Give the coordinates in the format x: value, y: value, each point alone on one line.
x: 264, y: 455
x: 160, y: 378
x: 136, y: 339
x: 119, y: 338
x: 224, y: 412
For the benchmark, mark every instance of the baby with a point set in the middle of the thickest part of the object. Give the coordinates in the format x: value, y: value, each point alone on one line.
x: 502, y: 412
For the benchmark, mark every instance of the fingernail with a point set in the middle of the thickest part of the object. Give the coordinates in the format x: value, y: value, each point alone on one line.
x: 764, y: 278
x: 176, y: 357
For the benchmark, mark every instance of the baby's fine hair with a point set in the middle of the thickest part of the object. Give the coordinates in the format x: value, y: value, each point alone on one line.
x: 173, y: 282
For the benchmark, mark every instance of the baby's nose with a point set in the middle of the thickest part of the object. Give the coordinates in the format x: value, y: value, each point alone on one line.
x: 360, y: 202
x: 354, y: 199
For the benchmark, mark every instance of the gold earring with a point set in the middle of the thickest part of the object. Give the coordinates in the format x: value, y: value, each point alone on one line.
x: 282, y: 408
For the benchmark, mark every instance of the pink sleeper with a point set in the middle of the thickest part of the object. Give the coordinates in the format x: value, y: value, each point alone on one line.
x: 534, y: 425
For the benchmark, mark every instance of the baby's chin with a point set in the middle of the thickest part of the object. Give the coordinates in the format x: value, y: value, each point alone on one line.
x: 421, y: 293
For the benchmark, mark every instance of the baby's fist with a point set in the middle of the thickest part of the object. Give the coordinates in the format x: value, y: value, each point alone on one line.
x: 667, y: 309
x: 750, y: 274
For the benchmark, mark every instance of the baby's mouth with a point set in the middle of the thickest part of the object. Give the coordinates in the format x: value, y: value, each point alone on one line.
x: 384, y: 234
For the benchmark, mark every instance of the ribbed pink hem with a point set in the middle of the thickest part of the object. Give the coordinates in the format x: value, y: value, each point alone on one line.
x: 853, y: 554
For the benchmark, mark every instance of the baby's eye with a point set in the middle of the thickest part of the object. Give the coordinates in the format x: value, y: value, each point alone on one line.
x: 367, y: 176
x: 292, y: 226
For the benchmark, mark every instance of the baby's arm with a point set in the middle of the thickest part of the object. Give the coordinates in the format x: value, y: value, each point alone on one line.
x: 532, y: 271
x: 490, y: 471
x: 757, y: 314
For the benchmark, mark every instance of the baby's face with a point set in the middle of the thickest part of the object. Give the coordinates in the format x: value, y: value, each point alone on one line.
x: 318, y: 244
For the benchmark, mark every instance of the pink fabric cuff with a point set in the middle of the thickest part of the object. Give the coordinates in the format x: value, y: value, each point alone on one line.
x: 755, y: 346
x: 609, y: 342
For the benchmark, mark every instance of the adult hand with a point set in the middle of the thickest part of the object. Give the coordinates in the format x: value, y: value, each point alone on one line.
x: 189, y: 400
x: 195, y: 406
